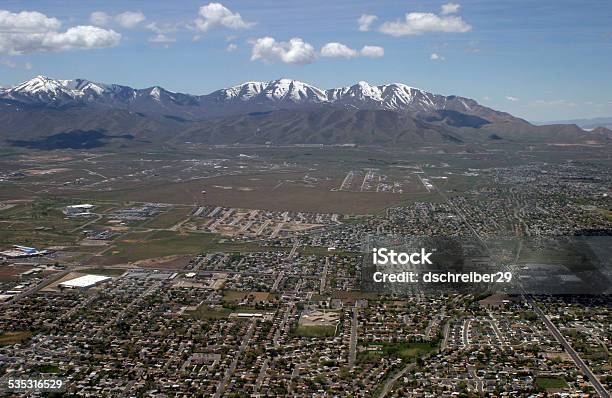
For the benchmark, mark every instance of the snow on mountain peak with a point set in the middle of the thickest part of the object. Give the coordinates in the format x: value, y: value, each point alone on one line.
x: 240, y: 98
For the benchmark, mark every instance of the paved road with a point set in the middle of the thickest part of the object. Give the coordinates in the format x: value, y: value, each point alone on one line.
x: 493, y: 323
x: 553, y: 329
x: 573, y: 354
x: 232, y: 368
x: 353, y: 343
x: 324, y: 276
x: 391, y: 381
x: 44, y: 283
x: 479, y: 381
x: 465, y: 332
x: 262, y: 374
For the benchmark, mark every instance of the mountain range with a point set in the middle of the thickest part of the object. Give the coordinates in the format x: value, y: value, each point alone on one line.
x: 282, y: 111
x: 590, y: 124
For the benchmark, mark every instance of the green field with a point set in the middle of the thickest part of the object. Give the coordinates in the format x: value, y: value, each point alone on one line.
x: 10, y: 338
x: 47, y: 368
x: 315, y: 331
x: 144, y: 245
x: 550, y: 382
x: 405, y: 350
x: 169, y: 218
x: 203, y: 312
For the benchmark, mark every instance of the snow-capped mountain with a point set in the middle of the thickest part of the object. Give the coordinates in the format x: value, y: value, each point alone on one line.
x: 46, y: 113
x: 274, y: 91
x: 244, y: 98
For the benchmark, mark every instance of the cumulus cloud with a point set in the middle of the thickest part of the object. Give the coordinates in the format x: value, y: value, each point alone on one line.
x: 437, y: 57
x: 127, y: 19
x: 338, y: 50
x: 450, y: 8
x: 365, y: 21
x: 161, y: 38
x: 161, y: 31
x: 372, y: 51
x: 100, y: 18
x: 511, y: 98
x: 31, y: 31
x: 215, y: 15
x: 417, y: 23
x: 231, y: 47
x: 295, y: 51
x: 130, y: 19
x: 27, y: 22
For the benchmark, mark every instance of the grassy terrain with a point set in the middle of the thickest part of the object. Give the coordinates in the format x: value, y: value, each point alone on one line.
x: 234, y: 297
x: 10, y: 338
x: 315, y: 331
x: 105, y: 271
x: 38, y: 224
x: 550, y: 382
x: 405, y: 350
x: 47, y: 368
x: 169, y: 218
x: 144, y: 245
x: 203, y: 312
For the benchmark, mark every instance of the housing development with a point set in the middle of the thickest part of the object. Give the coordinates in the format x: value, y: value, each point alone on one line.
x: 249, y: 279
x: 306, y: 199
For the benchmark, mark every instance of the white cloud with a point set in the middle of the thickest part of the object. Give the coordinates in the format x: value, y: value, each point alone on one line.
x: 9, y: 63
x: 372, y: 51
x: 511, y: 98
x: 130, y: 19
x: 557, y: 103
x: 215, y: 15
x: 417, y: 23
x: 161, y: 31
x: 450, y: 8
x: 486, y: 98
x: 31, y: 31
x: 99, y: 18
x: 27, y: 22
x: 162, y: 27
x: 79, y: 37
x: 161, y: 39
x: 365, y: 21
x: 338, y: 50
x: 127, y: 19
x: 295, y: 51
x: 231, y: 47
x: 437, y: 57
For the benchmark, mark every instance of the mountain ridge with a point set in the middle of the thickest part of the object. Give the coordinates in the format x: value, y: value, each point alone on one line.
x: 42, y: 112
x: 242, y: 98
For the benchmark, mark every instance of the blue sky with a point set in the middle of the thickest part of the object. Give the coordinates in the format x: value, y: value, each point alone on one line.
x: 541, y: 60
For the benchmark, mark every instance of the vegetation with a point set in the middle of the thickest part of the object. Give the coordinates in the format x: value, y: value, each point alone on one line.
x: 205, y: 312
x: 9, y: 338
x: 315, y: 331
x: 550, y: 382
x: 407, y: 351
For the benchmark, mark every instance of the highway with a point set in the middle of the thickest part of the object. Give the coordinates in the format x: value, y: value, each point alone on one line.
x: 353, y: 342
x: 568, y: 348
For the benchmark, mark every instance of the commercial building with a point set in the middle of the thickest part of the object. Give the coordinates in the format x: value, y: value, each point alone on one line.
x: 84, y: 282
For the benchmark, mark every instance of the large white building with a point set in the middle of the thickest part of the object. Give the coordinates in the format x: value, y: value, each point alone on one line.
x: 84, y: 282
x: 79, y: 210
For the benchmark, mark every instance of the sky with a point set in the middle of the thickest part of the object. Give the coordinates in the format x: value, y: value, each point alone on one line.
x: 540, y: 59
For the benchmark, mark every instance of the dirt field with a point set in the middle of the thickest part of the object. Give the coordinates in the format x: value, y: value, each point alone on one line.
x: 273, y: 191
